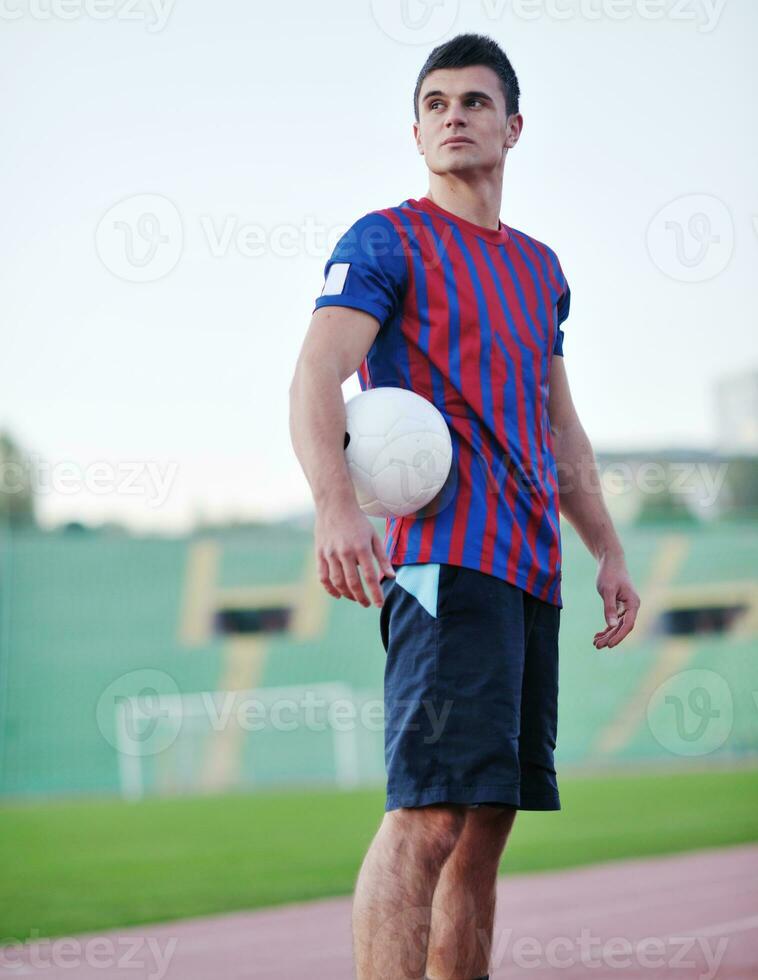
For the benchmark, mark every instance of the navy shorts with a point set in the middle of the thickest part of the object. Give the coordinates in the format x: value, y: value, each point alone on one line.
x: 470, y: 690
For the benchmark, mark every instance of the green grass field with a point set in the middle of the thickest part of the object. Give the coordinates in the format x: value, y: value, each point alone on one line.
x: 85, y: 866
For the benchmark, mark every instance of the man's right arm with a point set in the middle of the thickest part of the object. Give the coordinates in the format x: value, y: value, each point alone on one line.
x: 335, y: 345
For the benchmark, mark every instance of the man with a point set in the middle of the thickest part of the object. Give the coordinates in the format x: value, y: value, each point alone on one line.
x: 438, y: 296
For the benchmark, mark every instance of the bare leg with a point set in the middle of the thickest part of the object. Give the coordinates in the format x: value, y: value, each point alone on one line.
x: 392, y: 906
x: 463, y: 905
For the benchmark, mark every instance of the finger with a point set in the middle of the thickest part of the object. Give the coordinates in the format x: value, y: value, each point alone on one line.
x: 353, y: 580
x: 606, y: 631
x: 381, y: 556
x: 366, y: 563
x: 604, y: 638
x: 627, y: 614
x: 625, y: 628
x: 353, y: 585
x: 609, y: 630
x: 609, y: 639
x: 337, y: 576
x: 323, y: 577
x: 631, y: 615
x: 610, y: 607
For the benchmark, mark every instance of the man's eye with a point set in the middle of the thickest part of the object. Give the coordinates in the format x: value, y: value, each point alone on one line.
x: 437, y: 102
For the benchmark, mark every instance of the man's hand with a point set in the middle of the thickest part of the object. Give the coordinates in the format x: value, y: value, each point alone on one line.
x: 346, y: 540
x: 620, y: 600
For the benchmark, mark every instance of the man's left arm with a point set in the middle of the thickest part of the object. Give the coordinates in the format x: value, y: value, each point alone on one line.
x: 582, y: 503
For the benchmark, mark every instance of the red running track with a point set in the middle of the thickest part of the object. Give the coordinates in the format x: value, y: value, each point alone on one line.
x: 692, y: 915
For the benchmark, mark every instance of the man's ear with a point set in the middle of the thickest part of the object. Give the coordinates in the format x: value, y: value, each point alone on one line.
x: 514, y: 128
x: 415, y: 137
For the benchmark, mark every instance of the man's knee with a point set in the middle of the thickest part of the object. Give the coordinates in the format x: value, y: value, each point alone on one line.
x: 432, y: 830
x: 490, y: 824
x: 497, y: 812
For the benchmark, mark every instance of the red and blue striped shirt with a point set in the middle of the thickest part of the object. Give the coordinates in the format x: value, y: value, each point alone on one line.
x: 469, y: 319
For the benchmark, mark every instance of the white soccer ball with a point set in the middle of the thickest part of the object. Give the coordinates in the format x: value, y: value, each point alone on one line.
x: 398, y: 451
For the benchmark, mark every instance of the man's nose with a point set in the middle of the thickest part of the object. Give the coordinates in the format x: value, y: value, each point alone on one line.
x: 455, y: 115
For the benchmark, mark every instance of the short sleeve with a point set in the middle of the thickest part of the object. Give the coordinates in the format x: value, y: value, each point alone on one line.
x: 367, y: 269
x: 561, y: 312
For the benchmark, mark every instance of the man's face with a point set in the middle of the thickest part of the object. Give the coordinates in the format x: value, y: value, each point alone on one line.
x: 467, y: 104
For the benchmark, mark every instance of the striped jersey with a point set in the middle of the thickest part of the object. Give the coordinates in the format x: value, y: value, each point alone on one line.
x: 469, y: 319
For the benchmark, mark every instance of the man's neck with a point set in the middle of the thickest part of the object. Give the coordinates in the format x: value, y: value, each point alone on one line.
x: 478, y: 203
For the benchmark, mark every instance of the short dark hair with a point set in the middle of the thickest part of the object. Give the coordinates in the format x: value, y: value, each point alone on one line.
x: 472, y: 49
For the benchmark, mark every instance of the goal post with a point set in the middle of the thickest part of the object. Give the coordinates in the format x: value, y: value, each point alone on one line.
x: 321, y: 734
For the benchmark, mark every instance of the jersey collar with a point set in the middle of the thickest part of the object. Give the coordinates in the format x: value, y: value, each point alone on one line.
x: 499, y: 237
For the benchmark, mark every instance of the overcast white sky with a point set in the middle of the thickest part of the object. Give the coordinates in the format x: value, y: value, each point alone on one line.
x: 164, y: 333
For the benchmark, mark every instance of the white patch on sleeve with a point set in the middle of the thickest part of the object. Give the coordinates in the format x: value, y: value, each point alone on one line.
x: 335, y: 280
